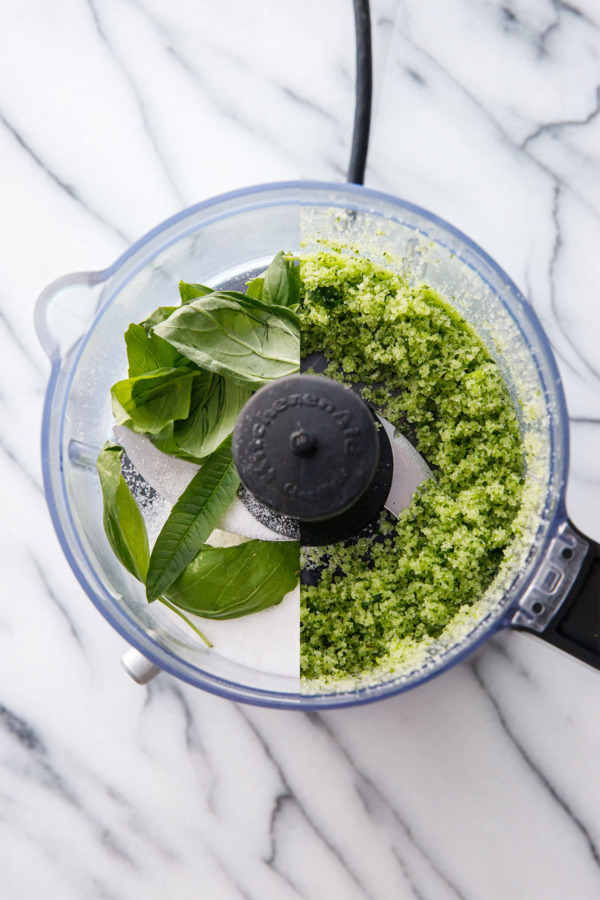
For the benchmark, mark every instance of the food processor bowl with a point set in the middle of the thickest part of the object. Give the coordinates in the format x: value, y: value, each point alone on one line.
x: 224, y: 241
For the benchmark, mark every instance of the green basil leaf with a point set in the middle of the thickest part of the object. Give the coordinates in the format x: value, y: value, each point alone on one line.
x: 282, y: 282
x: 164, y: 441
x: 159, y: 315
x: 228, y: 582
x: 253, y: 304
x: 192, y: 519
x: 189, y: 292
x: 255, y: 288
x: 152, y: 400
x: 121, y: 415
x: 123, y: 521
x: 236, y: 336
x: 147, y: 352
x: 215, y: 405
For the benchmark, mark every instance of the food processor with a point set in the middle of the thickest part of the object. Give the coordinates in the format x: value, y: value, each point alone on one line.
x: 551, y: 584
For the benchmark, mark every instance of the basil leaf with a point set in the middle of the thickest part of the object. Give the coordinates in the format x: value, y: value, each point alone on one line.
x: 192, y: 519
x: 123, y: 521
x: 255, y: 288
x: 236, y: 336
x: 121, y: 415
x: 189, y: 292
x: 253, y: 304
x: 214, y: 408
x: 215, y: 405
x: 159, y: 315
x: 282, y: 282
x: 147, y: 351
x: 148, y: 402
x: 164, y: 441
x: 228, y: 582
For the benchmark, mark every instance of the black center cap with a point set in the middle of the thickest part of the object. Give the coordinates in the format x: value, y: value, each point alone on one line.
x: 303, y: 443
x: 306, y: 447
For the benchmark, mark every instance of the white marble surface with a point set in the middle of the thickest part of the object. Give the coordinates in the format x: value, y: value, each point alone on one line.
x: 114, y: 114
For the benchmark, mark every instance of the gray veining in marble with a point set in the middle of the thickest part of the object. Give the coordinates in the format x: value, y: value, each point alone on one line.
x: 481, y: 785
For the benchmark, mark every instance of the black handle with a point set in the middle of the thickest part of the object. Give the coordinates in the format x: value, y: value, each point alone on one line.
x: 576, y: 626
x: 569, y: 618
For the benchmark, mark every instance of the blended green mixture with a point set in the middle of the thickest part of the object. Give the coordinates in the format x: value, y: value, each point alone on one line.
x: 428, y: 373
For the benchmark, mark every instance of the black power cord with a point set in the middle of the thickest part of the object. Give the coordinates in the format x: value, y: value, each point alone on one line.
x: 364, y: 93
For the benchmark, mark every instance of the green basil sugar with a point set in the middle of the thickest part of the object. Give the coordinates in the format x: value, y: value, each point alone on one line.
x: 431, y: 375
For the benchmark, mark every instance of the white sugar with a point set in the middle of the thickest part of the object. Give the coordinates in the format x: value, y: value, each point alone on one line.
x: 168, y: 475
x: 268, y: 641
x: 240, y: 521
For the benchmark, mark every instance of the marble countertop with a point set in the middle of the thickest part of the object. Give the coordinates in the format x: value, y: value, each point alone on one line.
x: 484, y: 784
